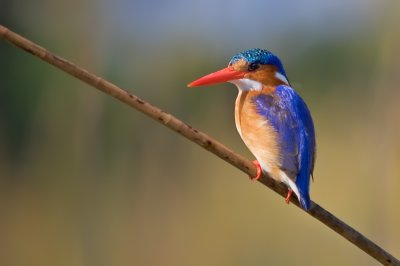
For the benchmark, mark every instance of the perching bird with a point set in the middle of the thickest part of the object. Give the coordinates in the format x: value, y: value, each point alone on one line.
x: 272, y: 119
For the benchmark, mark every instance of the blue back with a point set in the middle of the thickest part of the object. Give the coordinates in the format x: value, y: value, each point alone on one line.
x: 290, y: 117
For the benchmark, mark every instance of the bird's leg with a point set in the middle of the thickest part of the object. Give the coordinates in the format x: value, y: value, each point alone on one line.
x: 259, y: 171
x: 289, y: 193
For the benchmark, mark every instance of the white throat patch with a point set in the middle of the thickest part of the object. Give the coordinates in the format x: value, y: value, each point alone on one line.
x: 247, y: 84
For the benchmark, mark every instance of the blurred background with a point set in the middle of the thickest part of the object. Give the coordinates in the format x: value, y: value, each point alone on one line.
x: 86, y: 180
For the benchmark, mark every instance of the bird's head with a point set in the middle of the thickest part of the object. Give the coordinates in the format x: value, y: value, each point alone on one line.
x: 249, y: 70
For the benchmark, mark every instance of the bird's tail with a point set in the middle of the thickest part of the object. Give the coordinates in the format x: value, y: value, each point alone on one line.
x: 306, y: 168
x: 300, y: 188
x: 303, y: 187
x: 304, y: 200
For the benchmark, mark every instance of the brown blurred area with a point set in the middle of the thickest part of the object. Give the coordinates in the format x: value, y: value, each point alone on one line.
x: 85, y: 180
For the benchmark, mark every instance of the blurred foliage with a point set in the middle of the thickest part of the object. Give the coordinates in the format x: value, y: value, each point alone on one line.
x: 85, y: 180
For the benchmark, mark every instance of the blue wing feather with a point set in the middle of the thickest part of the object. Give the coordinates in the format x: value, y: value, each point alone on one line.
x: 289, y: 115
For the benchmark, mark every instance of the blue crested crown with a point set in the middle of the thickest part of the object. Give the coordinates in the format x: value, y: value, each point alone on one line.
x: 260, y: 56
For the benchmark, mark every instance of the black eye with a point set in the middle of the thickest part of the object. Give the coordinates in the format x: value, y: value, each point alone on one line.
x: 253, y: 66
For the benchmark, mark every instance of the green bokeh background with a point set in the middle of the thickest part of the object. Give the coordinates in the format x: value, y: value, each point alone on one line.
x: 86, y: 180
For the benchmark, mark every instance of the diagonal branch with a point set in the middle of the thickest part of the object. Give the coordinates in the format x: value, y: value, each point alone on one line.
x: 199, y: 138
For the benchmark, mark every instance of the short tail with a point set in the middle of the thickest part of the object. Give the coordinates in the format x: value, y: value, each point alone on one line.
x: 304, y: 200
x: 300, y: 188
x: 302, y: 196
x: 303, y: 188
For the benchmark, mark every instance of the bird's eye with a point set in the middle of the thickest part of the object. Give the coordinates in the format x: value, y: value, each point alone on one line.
x: 253, y: 66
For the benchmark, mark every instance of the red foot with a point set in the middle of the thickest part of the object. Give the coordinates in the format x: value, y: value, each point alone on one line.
x: 289, y: 193
x: 259, y: 171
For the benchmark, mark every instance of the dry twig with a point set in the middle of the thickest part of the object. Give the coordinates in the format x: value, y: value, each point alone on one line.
x: 200, y: 138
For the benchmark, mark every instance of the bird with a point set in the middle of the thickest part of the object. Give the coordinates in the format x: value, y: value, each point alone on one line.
x: 272, y: 119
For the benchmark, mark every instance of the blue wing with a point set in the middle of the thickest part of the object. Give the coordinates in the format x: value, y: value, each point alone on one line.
x: 289, y: 115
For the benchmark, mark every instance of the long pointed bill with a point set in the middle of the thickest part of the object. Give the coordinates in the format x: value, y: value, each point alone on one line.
x: 223, y: 75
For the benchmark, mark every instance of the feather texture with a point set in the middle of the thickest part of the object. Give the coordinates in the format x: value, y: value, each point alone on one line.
x: 285, y: 110
x: 271, y: 118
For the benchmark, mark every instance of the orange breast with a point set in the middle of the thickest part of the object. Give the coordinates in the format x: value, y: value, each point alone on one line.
x: 257, y: 133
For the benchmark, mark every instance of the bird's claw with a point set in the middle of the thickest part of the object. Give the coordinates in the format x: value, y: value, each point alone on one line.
x: 259, y: 171
x: 289, y: 193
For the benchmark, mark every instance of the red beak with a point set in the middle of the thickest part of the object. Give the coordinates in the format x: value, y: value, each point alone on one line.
x: 223, y: 75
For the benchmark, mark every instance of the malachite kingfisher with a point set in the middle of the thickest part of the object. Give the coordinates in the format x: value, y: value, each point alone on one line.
x: 272, y: 119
